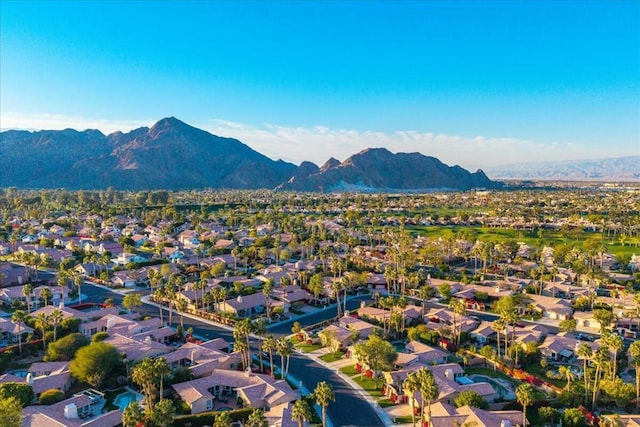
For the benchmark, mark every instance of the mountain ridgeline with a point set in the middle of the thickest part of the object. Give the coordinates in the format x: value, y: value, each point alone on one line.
x: 173, y: 155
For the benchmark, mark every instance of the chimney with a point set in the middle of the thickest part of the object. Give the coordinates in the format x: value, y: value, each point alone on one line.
x: 449, y: 374
x: 71, y: 411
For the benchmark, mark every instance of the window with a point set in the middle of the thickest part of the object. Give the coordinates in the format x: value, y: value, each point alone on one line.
x: 209, y: 404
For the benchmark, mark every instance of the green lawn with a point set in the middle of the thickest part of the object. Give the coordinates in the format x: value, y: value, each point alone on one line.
x: 307, y: 348
x: 349, y: 370
x: 540, y: 372
x: 332, y: 357
x: 385, y: 403
x: 403, y: 420
x: 369, y: 386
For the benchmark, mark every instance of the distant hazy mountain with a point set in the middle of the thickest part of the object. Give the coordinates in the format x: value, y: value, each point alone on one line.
x: 173, y: 155
x: 614, y: 169
x: 376, y: 169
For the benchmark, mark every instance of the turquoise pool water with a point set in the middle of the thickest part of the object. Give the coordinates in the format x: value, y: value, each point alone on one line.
x: 124, y: 399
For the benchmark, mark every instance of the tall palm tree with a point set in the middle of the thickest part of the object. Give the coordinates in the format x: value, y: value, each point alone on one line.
x: 78, y: 280
x: 323, y: 395
x: 634, y: 352
x: 411, y: 385
x: 429, y: 389
x: 161, y: 369
x: 27, y: 291
x: 585, y: 352
x: 257, y: 418
x: 568, y: 374
x: 284, y: 348
x: 524, y: 396
x: 301, y: 411
x: 42, y: 323
x: 269, y: 345
x: 260, y: 328
x: 56, y: 318
x: 18, y: 317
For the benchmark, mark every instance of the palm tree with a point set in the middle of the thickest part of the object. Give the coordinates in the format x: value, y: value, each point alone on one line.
x: 585, y: 352
x: 27, y: 291
x: 411, y: 385
x: 568, y: 373
x: 323, y: 394
x: 634, y: 352
x: 257, y: 418
x: 158, y: 296
x: 181, y: 306
x: 46, y: 295
x: 301, y: 411
x: 284, y: 348
x: 161, y: 369
x: 78, y: 280
x: 429, y: 389
x: 56, y: 318
x: 267, y: 287
x: 270, y: 345
x: 524, y: 396
x: 42, y: 323
x: 260, y: 328
x: 132, y: 415
x: 459, y: 309
x: 18, y: 317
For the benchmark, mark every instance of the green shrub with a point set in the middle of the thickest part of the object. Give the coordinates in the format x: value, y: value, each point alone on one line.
x: 51, y: 396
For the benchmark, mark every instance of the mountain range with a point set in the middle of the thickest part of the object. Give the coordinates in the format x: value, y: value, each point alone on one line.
x: 173, y: 155
x: 613, y: 169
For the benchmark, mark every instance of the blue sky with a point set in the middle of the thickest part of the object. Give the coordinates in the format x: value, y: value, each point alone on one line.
x: 473, y: 83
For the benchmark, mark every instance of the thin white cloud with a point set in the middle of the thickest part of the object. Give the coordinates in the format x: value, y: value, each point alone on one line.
x: 59, y: 122
x: 319, y: 143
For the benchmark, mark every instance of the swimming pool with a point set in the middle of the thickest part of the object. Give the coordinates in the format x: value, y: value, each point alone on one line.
x: 124, y: 399
x: 464, y: 380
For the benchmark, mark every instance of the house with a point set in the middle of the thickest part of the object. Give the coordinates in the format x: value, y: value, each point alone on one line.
x: 562, y: 347
x: 137, y: 349
x: 203, y: 359
x: 249, y: 305
x: 9, y: 330
x: 255, y: 390
x: 426, y: 354
x: 484, y: 333
x: 449, y: 377
x: 84, y: 409
x: 12, y: 274
x: 444, y: 415
x: 43, y: 376
x: 553, y: 308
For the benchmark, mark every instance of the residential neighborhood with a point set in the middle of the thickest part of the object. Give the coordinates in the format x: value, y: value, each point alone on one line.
x: 430, y: 318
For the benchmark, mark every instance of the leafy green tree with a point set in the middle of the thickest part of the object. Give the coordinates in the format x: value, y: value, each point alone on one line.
x: 568, y: 325
x: 445, y: 291
x: 95, y: 362
x: 163, y: 413
x: 548, y: 414
x: 49, y: 397
x: 471, y: 398
x: 604, y: 317
x: 22, y: 392
x: 323, y: 395
x: 10, y: 412
x: 100, y: 336
x: 573, y: 417
x: 132, y: 300
x: 223, y: 419
x: 377, y: 353
x: 66, y: 347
